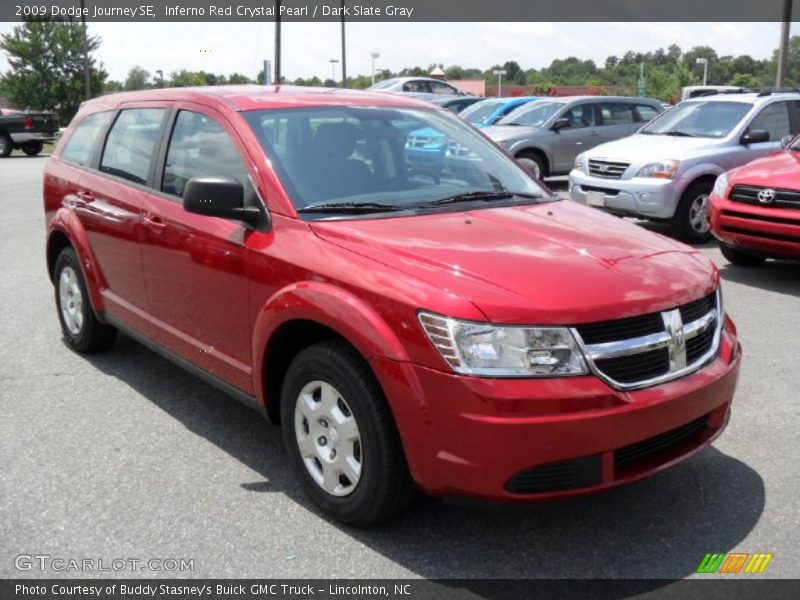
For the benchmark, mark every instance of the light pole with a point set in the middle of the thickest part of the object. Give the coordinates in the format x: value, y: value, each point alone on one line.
x: 333, y: 62
x: 704, y: 62
x: 344, y: 52
x: 374, y: 56
x: 783, y: 50
x: 87, y: 78
x: 499, y: 73
x: 160, y: 74
x: 277, y: 42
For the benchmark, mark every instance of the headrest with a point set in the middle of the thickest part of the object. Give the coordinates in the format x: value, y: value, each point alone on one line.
x: 335, y: 140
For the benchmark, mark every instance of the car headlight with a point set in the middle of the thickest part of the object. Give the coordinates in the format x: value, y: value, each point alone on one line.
x: 484, y: 349
x: 665, y: 169
x: 579, y: 160
x: 721, y: 185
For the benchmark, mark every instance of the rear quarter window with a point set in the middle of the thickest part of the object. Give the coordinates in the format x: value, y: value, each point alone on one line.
x: 131, y: 144
x: 85, y: 138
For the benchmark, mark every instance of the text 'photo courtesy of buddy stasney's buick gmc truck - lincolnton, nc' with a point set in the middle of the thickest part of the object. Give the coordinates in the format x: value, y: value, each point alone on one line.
x: 464, y: 332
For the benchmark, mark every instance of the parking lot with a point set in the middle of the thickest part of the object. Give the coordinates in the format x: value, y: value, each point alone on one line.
x: 123, y: 455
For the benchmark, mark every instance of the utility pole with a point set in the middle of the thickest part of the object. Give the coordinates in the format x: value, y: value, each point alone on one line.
x: 87, y: 77
x: 277, y: 42
x: 783, y: 50
x: 344, y: 53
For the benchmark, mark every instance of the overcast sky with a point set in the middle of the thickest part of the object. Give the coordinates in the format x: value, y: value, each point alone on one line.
x: 241, y: 47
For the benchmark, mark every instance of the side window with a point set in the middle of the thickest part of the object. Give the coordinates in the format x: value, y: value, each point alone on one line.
x: 200, y: 146
x: 438, y: 87
x: 581, y: 115
x: 86, y: 135
x: 131, y: 143
x: 774, y: 119
x: 617, y: 113
x: 416, y: 87
x: 794, y: 110
x: 646, y: 112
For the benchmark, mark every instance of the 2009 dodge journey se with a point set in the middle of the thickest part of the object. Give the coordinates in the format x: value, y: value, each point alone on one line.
x: 463, y: 333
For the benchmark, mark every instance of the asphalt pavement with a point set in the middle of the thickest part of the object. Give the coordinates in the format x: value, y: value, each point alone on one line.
x: 123, y: 455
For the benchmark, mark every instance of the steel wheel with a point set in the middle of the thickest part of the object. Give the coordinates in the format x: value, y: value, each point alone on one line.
x: 328, y: 438
x: 698, y: 214
x: 70, y: 300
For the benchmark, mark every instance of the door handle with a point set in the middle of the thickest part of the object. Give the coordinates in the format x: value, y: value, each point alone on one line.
x: 85, y: 196
x: 154, y: 223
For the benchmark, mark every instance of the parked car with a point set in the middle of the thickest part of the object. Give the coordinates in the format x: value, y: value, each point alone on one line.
x: 455, y: 105
x: 491, y: 110
x: 480, y: 338
x: 424, y: 88
x: 547, y: 135
x: 26, y: 131
x: 667, y: 170
x: 755, y: 209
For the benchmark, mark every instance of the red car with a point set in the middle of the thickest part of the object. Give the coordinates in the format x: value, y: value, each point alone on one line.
x: 755, y: 209
x: 467, y: 334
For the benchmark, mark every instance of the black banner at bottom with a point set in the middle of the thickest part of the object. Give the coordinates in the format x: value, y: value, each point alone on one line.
x: 396, y: 589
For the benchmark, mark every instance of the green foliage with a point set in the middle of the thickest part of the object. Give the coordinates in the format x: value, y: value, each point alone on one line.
x: 137, y: 79
x: 46, y: 60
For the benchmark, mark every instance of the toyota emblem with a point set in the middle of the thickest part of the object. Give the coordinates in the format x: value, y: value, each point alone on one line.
x: 766, y: 196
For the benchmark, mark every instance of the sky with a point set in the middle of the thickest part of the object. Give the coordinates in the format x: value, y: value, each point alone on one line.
x: 308, y: 47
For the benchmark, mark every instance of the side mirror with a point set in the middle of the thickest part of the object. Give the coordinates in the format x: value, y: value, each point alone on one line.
x: 218, y: 197
x: 561, y: 123
x: 786, y: 141
x: 756, y: 136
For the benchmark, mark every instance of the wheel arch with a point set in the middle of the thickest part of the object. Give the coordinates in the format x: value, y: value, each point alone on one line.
x: 537, y: 151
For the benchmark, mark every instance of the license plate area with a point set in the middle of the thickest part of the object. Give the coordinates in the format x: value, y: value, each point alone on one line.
x: 594, y: 198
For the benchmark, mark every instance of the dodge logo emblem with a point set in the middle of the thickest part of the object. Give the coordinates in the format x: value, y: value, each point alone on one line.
x: 766, y: 196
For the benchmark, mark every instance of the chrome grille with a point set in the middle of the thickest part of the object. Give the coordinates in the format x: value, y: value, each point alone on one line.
x: 607, y: 168
x: 749, y: 194
x: 642, y: 351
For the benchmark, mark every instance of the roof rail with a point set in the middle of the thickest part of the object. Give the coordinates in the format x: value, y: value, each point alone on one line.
x: 766, y: 91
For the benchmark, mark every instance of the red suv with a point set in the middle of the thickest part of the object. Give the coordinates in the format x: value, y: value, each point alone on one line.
x: 462, y: 333
x: 755, y: 209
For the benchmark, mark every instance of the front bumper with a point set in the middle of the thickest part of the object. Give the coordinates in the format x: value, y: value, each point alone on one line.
x: 475, y: 437
x: 639, y: 197
x: 762, y: 230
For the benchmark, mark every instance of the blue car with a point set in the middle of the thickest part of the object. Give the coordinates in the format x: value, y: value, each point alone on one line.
x: 425, y: 149
x: 488, y: 112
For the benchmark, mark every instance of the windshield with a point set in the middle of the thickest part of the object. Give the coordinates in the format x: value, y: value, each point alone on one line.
x: 699, y: 119
x: 382, y: 85
x: 531, y: 115
x: 478, y: 112
x: 394, y: 157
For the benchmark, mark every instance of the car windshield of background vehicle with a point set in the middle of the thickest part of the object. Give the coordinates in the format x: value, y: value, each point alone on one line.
x: 374, y: 159
x: 478, y: 112
x: 382, y: 85
x: 532, y: 115
x: 699, y: 119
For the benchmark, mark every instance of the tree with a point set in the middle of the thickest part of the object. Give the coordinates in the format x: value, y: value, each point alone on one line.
x: 238, y: 79
x: 184, y: 78
x: 46, y: 59
x: 111, y: 87
x: 137, y: 79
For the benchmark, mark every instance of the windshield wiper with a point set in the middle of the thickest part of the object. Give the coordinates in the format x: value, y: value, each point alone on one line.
x: 483, y: 196
x: 677, y: 133
x: 351, y: 207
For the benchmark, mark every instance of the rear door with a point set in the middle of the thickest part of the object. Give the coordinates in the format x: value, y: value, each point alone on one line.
x: 195, y: 265
x: 583, y: 133
x: 618, y: 119
x: 110, y: 202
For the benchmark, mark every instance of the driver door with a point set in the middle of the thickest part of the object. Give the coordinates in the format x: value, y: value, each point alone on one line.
x: 582, y: 134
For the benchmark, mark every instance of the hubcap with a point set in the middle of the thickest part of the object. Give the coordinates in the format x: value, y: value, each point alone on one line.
x: 698, y: 214
x: 3, y: 144
x: 328, y: 438
x: 71, y: 300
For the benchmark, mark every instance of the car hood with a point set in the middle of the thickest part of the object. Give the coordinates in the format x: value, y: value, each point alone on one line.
x: 780, y: 170
x: 549, y: 263
x: 507, y: 132
x: 641, y: 148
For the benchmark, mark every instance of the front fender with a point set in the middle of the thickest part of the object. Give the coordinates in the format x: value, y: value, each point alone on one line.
x: 700, y: 170
x: 66, y: 222
x: 328, y: 305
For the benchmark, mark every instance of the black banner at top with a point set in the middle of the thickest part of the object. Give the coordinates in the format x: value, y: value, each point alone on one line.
x: 396, y: 10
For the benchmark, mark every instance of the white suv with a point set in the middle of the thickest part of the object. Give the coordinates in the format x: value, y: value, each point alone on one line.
x: 666, y: 171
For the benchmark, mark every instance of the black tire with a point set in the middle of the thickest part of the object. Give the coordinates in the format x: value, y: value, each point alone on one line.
x: 684, y: 223
x: 739, y: 257
x: 91, y: 335
x: 6, y: 145
x: 385, y: 487
x: 534, y: 162
x: 32, y: 148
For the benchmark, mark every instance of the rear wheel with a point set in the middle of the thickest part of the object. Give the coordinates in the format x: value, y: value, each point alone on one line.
x: 6, y: 145
x: 82, y: 330
x: 534, y: 163
x: 738, y: 257
x: 32, y: 148
x: 341, y: 436
x: 691, y: 219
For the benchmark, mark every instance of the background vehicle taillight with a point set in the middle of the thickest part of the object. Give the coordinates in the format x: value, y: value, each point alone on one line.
x: 28, y: 123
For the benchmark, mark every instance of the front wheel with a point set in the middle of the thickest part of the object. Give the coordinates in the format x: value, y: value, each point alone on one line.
x: 81, y: 327
x: 738, y: 257
x: 341, y: 437
x: 534, y: 163
x: 691, y: 219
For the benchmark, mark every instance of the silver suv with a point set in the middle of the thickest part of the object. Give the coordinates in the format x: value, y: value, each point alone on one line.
x: 667, y: 170
x: 547, y: 135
